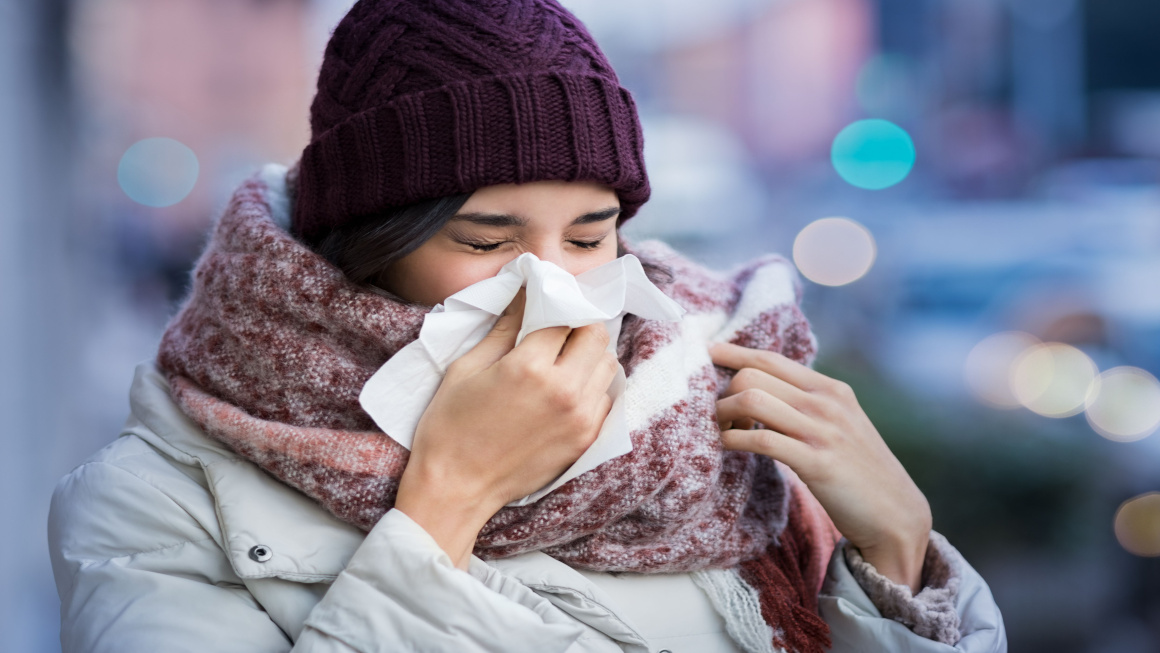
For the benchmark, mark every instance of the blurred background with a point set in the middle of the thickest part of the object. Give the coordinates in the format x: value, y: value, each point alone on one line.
x: 970, y: 188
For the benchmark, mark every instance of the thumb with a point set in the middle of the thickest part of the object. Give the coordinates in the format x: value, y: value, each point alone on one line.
x: 502, y: 337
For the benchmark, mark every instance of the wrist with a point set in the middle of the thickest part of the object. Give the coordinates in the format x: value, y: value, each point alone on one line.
x: 900, y: 559
x: 452, y: 514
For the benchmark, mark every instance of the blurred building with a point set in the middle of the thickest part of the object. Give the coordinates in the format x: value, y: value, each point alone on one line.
x: 1033, y: 206
x: 230, y: 79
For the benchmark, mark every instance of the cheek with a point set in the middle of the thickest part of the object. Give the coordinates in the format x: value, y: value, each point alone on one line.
x: 452, y: 274
x: 582, y: 264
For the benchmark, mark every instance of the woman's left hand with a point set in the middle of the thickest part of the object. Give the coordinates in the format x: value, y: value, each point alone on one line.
x: 813, y: 424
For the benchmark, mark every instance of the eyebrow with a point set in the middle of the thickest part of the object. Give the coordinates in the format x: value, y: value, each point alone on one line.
x: 509, y: 220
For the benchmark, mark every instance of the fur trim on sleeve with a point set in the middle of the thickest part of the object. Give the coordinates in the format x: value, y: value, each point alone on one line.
x: 931, y: 613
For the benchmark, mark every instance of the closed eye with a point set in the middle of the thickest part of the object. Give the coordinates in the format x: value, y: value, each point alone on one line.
x: 484, y: 247
x: 490, y: 247
x: 587, y: 244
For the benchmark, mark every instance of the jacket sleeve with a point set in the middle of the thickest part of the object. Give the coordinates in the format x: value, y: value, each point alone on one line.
x: 953, y: 612
x: 421, y: 601
x: 136, y: 572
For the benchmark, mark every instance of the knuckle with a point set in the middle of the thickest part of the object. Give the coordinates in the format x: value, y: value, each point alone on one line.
x: 750, y: 400
x: 521, y: 369
x: 841, y: 389
x: 746, y: 377
x: 581, y: 424
x: 564, y: 400
x: 599, y: 333
x: 537, y: 374
x: 828, y: 409
x: 810, y: 404
x: 587, y: 417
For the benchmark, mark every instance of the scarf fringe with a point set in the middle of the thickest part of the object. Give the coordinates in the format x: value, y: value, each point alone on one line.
x: 786, y: 580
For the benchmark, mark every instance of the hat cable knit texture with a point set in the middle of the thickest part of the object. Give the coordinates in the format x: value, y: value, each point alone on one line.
x: 419, y: 99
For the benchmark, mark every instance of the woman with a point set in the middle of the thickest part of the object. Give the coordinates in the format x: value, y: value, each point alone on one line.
x: 251, y: 504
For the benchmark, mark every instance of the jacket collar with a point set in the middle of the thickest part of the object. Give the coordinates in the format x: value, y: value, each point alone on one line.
x: 254, y: 509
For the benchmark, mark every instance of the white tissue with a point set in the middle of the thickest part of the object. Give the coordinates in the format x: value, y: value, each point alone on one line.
x: 398, y: 393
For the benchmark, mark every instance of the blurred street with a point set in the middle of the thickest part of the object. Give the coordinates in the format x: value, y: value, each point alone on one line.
x: 970, y: 189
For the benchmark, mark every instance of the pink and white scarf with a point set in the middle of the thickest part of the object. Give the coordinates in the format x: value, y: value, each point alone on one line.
x: 272, y: 346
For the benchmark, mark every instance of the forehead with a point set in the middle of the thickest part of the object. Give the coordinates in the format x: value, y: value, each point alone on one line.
x: 541, y: 201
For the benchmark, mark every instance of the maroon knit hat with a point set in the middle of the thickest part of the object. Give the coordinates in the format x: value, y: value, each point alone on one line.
x: 419, y: 99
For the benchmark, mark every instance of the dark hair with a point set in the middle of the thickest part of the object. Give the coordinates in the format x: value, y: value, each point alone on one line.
x: 364, y: 248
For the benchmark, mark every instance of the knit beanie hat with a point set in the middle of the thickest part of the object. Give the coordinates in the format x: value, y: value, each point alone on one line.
x: 419, y: 99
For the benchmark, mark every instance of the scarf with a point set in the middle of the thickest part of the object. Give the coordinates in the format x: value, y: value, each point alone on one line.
x: 270, y: 349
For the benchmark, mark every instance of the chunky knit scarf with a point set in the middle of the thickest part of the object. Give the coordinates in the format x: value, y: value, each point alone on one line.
x: 272, y: 346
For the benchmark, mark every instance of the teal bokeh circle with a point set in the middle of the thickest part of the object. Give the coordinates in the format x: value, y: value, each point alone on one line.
x: 157, y: 171
x: 873, y: 154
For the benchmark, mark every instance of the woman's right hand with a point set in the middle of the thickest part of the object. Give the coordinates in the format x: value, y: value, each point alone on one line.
x: 505, y: 422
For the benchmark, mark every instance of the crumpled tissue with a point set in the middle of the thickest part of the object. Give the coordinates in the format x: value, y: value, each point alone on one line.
x: 399, y: 392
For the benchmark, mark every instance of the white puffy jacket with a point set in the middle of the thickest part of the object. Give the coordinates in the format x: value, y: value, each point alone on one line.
x: 167, y: 541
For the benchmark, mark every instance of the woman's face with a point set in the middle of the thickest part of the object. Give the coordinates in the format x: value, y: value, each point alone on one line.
x: 569, y: 223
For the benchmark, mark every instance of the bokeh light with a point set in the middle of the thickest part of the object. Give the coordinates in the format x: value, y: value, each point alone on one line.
x: 987, y: 370
x: 157, y: 171
x: 873, y: 154
x: 1053, y: 379
x: 834, y: 251
x: 1137, y: 525
x: 1126, y: 406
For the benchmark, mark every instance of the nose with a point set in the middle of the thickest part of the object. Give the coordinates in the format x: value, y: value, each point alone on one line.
x: 551, y: 254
